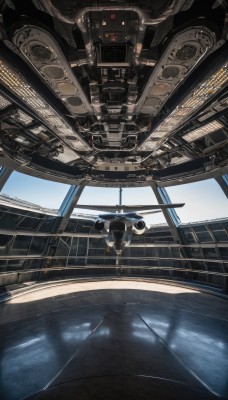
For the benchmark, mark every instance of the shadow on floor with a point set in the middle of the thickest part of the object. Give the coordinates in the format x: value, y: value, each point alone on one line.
x: 114, y: 343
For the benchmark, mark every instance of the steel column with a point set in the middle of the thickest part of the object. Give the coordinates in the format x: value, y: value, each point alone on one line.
x: 170, y: 214
x: 172, y: 220
x: 223, y: 182
x: 64, y: 213
x: 69, y: 204
x: 4, y: 175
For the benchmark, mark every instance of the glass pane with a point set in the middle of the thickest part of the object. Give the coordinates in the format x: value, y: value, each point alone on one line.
x: 21, y: 245
x: 143, y: 196
x: 224, y: 253
x: 210, y: 253
x: 99, y: 195
x: 204, y: 237
x: 110, y: 196
x: 203, y: 200
x: 200, y: 228
x: 221, y: 236
x: 35, y: 190
x: 37, y: 245
x: 4, y: 240
x: 139, y: 196
x: 189, y: 237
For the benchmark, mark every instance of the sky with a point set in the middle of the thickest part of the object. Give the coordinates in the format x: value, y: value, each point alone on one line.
x: 203, y: 200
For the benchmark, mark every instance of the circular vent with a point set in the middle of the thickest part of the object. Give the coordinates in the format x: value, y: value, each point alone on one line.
x: 41, y: 52
x: 53, y: 72
x: 152, y: 102
x: 161, y: 88
x: 187, y: 52
x: 67, y: 89
x: 74, y: 101
x: 170, y: 72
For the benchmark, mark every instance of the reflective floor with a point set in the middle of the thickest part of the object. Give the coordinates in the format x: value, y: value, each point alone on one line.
x: 129, y: 340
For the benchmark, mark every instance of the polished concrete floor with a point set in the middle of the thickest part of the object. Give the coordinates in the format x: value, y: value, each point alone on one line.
x: 114, y: 340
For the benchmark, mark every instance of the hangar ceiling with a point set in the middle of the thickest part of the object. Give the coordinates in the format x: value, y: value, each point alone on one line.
x: 114, y: 92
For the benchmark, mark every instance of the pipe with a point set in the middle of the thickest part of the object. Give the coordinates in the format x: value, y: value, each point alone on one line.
x: 143, y: 22
x: 79, y: 19
x: 111, y: 149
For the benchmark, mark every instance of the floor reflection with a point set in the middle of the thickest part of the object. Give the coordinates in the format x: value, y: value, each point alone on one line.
x: 173, y: 336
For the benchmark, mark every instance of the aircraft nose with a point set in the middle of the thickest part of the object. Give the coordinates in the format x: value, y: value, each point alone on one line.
x: 118, y: 251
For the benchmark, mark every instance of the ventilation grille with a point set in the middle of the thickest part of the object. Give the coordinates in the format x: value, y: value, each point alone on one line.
x: 113, y: 54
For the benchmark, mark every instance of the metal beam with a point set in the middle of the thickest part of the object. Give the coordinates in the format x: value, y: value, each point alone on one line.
x: 13, y: 232
x: 223, y: 182
x: 170, y: 214
x: 120, y: 196
x: 58, y: 257
x: 108, y: 266
x: 69, y: 204
x: 173, y: 222
x: 4, y: 175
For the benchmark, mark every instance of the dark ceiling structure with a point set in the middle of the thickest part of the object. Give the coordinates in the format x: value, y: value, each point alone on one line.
x: 113, y: 94
x: 114, y: 91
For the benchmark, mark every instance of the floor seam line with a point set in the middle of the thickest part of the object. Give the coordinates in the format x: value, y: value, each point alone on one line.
x: 179, y: 359
x: 123, y: 376
x: 69, y: 360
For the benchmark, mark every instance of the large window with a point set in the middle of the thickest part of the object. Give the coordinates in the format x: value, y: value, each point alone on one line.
x: 99, y: 195
x: 96, y: 196
x: 110, y: 196
x: 203, y: 200
x: 143, y: 196
x: 42, y: 192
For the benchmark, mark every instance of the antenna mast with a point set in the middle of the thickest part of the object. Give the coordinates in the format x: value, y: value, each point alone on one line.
x: 120, y: 196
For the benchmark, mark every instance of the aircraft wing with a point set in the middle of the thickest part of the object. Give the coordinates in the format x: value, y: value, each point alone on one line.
x: 148, y: 212
x: 85, y: 216
x: 134, y: 208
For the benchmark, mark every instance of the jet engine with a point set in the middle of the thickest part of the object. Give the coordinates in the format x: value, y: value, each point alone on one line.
x: 99, y: 225
x: 139, y: 227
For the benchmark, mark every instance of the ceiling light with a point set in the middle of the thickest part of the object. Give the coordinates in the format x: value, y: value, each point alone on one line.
x: 46, y: 57
x: 4, y: 103
x: 17, y: 84
x: 186, y: 108
x: 160, y: 134
x: 187, y: 49
x: 203, y: 131
x: 37, y: 130
x: 22, y: 117
x: 22, y: 140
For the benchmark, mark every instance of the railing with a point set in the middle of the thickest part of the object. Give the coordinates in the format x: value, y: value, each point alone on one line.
x: 40, y: 253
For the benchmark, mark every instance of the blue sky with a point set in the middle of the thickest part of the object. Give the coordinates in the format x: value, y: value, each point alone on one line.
x: 39, y: 191
x: 203, y: 200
